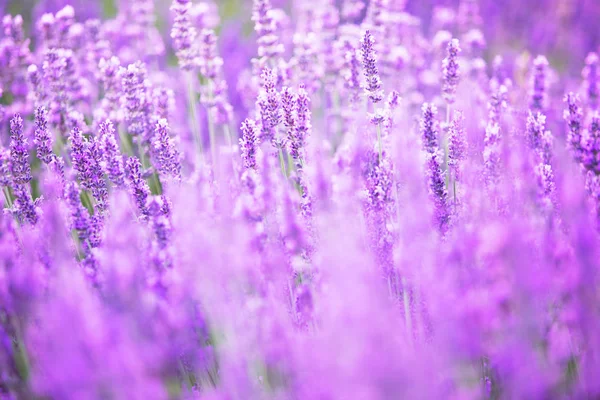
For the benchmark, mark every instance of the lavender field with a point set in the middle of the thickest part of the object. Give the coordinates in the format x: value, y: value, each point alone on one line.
x: 298, y: 199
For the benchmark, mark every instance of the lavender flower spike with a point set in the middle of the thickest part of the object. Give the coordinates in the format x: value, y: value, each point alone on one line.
x: 450, y: 71
x: 184, y: 35
x: 539, y: 83
x: 112, y: 158
x: 369, y: 59
x: 429, y: 128
x: 265, y: 27
x: 573, y: 115
x: 138, y: 186
x: 590, y: 75
x: 457, y: 146
x: 169, y: 159
x: 43, y: 138
x: 437, y: 190
x: 20, y: 169
x: 249, y: 143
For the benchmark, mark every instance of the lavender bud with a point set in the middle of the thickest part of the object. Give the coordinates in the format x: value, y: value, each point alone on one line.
x: 437, y: 189
x: 573, y: 115
x: 210, y: 62
x: 457, y: 146
x: 138, y: 186
x: 450, y: 71
x: 112, y: 158
x: 590, y: 155
x: 249, y: 143
x: 373, y: 81
x: 19, y: 154
x: 43, y: 138
x: 265, y: 27
x: 429, y: 128
x: 184, y: 35
x: 169, y: 159
x: 590, y: 76
x: 539, y: 83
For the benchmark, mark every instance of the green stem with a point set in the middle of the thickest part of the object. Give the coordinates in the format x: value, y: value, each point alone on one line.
x: 194, y: 115
x: 126, y: 142
x: 379, y: 143
x: 212, y: 138
x: 6, y: 192
x: 282, y: 162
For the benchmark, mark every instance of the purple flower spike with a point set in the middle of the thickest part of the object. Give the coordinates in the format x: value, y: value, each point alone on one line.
x: 265, y: 27
x: 169, y: 159
x: 536, y: 126
x: 138, y: 186
x: 573, y: 115
x: 429, y: 128
x: 303, y: 125
x: 450, y: 71
x: 210, y: 62
x: 369, y: 60
x: 590, y: 75
x: 539, y: 84
x: 437, y: 190
x: 43, y: 137
x: 25, y: 207
x: 19, y: 154
x: 249, y: 143
x: 184, y: 35
x: 136, y: 99
x: 457, y: 147
x: 351, y: 71
x: 112, y: 158
x: 590, y: 150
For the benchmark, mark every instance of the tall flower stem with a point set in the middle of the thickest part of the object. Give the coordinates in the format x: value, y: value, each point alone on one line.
x: 191, y: 95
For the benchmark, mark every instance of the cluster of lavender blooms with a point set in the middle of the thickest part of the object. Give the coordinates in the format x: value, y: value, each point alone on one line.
x: 369, y: 210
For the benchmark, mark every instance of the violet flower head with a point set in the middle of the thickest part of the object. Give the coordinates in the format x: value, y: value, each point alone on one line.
x: 43, y: 137
x: 79, y: 154
x: 573, y: 115
x: 437, y: 189
x: 184, y: 35
x: 492, y: 154
x: 351, y: 71
x: 5, y: 177
x: 590, y: 149
x: 25, y: 207
x: 160, y: 222
x: 136, y: 99
x: 266, y: 30
x: 303, y: 124
x: 288, y: 107
x: 111, y: 155
x: 138, y: 186
x: 369, y: 61
x: 210, y: 62
x: 536, y: 126
x: 19, y: 153
x: 497, y: 103
x: 590, y: 75
x: 81, y: 223
x: 96, y: 181
x: 269, y: 106
x: 249, y: 143
x: 457, y: 146
x: 168, y: 157
x: 547, y: 186
x: 109, y: 76
x: 429, y: 128
x: 539, y: 84
x: 450, y: 71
